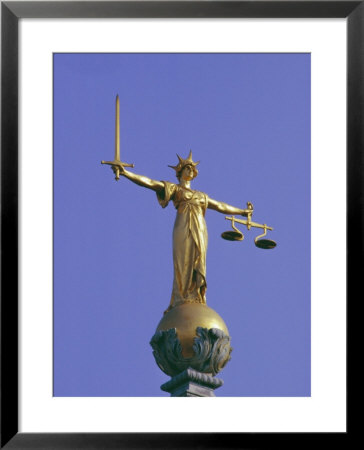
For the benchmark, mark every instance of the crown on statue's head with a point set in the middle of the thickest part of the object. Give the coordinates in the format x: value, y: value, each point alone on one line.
x: 185, y: 162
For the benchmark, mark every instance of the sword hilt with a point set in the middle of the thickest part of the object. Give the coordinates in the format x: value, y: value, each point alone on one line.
x: 117, y: 164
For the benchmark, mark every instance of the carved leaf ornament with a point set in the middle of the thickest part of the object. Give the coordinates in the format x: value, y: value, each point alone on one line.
x: 211, y: 346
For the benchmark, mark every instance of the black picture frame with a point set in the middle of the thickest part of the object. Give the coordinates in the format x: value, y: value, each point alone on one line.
x: 11, y: 12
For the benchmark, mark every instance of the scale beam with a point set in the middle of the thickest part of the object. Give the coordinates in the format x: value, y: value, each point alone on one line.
x: 237, y: 235
x: 248, y: 223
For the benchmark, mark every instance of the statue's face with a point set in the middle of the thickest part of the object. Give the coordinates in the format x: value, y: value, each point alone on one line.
x: 188, y: 173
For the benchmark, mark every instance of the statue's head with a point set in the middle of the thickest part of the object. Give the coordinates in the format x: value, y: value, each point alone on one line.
x: 186, y: 168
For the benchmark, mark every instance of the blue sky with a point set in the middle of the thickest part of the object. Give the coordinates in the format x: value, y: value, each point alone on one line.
x: 246, y: 117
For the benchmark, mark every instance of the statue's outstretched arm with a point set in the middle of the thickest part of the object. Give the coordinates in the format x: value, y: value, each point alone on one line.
x: 141, y: 180
x: 224, y: 208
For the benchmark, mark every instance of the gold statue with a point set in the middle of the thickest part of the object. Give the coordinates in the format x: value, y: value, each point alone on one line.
x: 189, y: 232
x: 188, y: 317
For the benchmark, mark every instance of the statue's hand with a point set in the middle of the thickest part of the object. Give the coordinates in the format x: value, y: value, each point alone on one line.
x: 118, y: 168
x: 249, y: 211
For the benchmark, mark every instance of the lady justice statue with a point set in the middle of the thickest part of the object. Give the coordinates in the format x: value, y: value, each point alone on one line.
x: 192, y: 342
x: 190, y: 231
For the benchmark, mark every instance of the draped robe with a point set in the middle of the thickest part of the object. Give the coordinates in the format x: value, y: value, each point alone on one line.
x: 189, y: 243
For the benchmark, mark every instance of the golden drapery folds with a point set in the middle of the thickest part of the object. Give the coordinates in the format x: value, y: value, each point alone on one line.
x: 189, y: 243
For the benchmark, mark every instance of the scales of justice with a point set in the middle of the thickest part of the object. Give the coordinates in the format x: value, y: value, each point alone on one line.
x: 191, y: 343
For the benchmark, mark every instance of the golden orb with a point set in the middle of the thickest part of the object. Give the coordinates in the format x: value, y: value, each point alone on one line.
x: 186, y: 318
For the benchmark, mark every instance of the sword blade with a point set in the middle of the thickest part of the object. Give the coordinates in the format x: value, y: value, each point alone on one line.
x: 117, y: 129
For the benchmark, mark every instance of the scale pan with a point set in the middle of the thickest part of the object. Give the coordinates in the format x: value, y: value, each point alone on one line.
x: 232, y: 236
x: 265, y: 243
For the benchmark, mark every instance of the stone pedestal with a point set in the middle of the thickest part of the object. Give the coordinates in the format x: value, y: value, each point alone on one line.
x: 191, y: 383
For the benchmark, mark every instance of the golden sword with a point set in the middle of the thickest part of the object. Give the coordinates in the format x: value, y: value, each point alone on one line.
x: 117, y: 161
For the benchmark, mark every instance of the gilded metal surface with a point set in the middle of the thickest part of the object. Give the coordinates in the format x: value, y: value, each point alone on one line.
x: 190, y: 231
x: 186, y: 318
x: 248, y: 223
x: 264, y: 243
x: 115, y: 164
x: 237, y: 235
